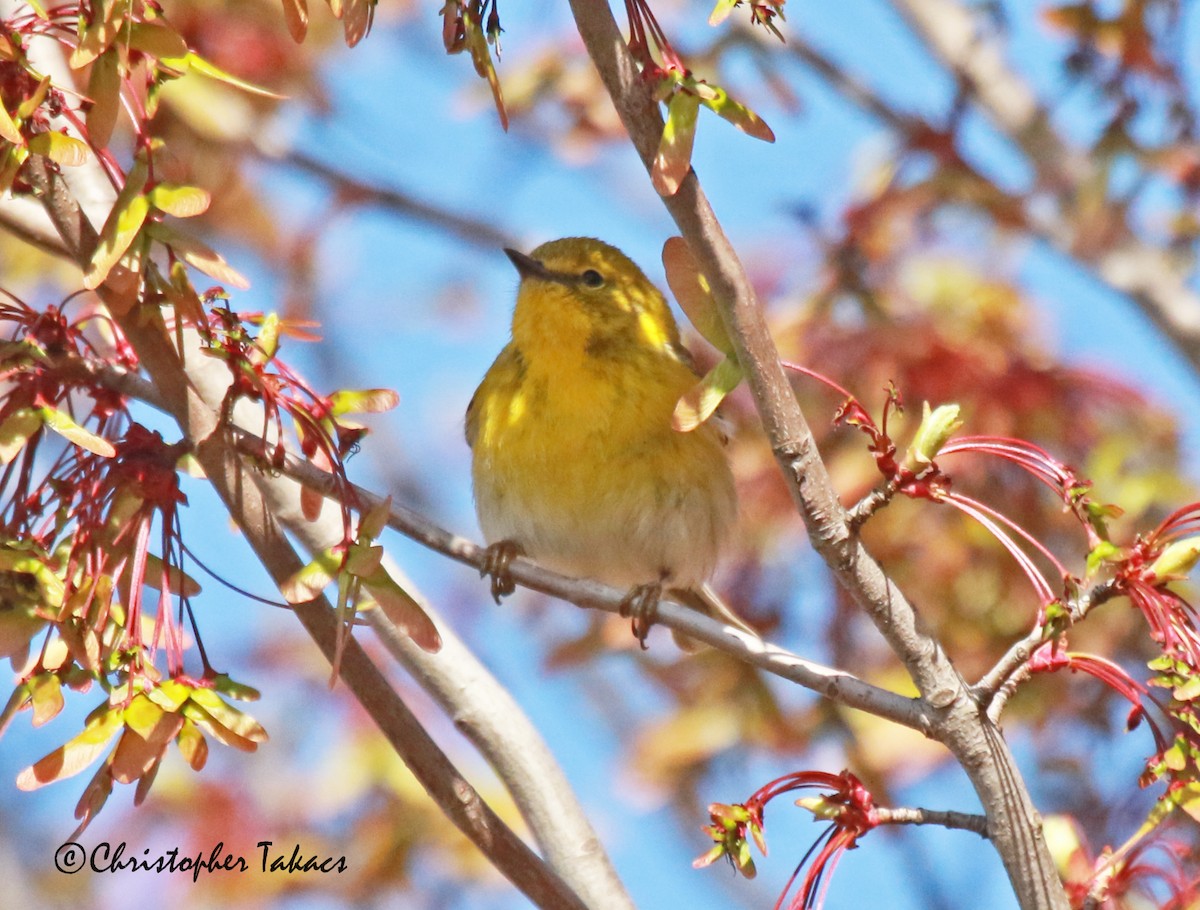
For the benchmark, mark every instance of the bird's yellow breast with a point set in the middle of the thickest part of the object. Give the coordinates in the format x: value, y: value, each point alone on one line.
x: 574, y: 455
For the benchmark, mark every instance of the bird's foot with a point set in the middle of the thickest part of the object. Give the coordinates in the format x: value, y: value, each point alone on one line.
x: 495, y: 565
x: 641, y: 606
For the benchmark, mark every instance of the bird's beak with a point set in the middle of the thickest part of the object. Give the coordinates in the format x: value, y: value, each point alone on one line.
x: 527, y: 266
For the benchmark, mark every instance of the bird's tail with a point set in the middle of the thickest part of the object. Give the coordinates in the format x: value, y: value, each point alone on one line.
x: 705, y: 600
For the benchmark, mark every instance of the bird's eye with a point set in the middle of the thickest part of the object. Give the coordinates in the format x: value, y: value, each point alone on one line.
x: 592, y: 278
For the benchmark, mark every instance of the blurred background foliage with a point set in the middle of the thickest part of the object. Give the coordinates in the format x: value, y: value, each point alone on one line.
x: 895, y: 235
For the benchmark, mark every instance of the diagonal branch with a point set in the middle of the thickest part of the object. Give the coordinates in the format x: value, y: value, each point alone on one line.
x: 1013, y: 822
x: 234, y: 483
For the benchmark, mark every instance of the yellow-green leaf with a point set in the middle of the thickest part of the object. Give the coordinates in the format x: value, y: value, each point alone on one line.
x: 26, y: 108
x: 15, y: 432
x: 59, y: 148
x: 75, y: 755
x: 60, y: 422
x: 9, y: 129
x: 100, y: 33
x: 180, y: 201
x: 45, y: 691
x: 674, y: 158
x: 481, y: 56
x: 118, y: 235
x: 694, y: 293
x: 310, y: 581
x: 718, y: 100
x: 193, y: 62
x: 192, y: 745
x: 157, y: 39
x: 702, y: 399
x: 721, y: 11
x: 198, y: 255
x: 362, y: 401
x: 374, y: 520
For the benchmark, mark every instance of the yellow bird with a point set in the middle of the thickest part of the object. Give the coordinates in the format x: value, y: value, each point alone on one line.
x: 575, y: 462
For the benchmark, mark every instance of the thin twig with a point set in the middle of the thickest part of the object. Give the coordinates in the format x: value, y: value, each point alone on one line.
x: 961, y: 821
x: 464, y: 227
x: 1001, y: 682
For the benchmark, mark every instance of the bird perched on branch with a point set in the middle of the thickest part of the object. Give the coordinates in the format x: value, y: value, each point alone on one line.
x: 575, y: 461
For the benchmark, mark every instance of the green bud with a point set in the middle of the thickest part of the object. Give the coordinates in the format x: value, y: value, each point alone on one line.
x: 1177, y: 560
x: 936, y: 428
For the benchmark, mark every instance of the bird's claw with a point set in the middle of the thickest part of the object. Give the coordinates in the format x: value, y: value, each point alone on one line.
x: 495, y: 564
x: 641, y: 606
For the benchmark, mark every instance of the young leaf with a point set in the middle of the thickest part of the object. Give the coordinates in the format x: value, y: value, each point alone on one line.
x: 694, y: 293
x: 15, y: 432
x: 104, y: 89
x: 118, y: 234
x: 59, y: 148
x: 75, y: 755
x: 198, y: 255
x: 100, y: 33
x: 674, y: 158
x: 11, y: 159
x: 45, y: 691
x: 481, y: 56
x: 357, y: 16
x: 722, y: 11
x: 295, y: 13
x: 157, y: 39
x: 362, y: 401
x: 312, y: 579
x: 60, y: 422
x: 717, y: 99
x: 8, y: 128
x: 192, y: 745
x: 374, y: 520
x: 180, y: 201
x: 26, y: 108
x: 193, y: 62
x: 399, y: 606
x: 702, y: 399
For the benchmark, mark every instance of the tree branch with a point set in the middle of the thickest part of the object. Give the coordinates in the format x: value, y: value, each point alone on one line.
x: 1013, y: 823
x: 199, y: 422
x: 836, y: 685
x: 961, y: 821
